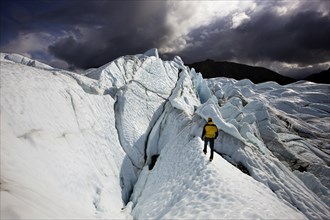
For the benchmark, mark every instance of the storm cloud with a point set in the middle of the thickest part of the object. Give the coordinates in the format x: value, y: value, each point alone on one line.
x: 112, y: 30
x: 301, y: 39
x: 286, y: 36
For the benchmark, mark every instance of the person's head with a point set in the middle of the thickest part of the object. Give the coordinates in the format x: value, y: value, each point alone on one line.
x: 209, y: 119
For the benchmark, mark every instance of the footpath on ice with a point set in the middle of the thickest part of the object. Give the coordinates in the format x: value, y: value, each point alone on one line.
x: 81, y: 145
x: 185, y: 185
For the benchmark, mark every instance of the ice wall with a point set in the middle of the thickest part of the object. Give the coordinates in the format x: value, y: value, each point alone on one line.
x: 141, y: 85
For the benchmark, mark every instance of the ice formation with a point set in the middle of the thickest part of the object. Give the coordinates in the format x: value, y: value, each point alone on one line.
x: 80, y: 146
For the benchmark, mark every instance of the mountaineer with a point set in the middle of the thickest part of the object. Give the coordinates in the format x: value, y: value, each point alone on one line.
x: 210, y: 132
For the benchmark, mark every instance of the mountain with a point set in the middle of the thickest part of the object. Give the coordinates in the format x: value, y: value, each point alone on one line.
x: 212, y: 69
x: 322, y: 77
x: 123, y: 141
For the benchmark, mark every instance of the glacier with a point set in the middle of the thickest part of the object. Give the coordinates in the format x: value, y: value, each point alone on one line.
x: 122, y: 141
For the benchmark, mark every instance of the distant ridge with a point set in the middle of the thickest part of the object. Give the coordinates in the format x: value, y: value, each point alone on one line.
x: 322, y: 77
x: 211, y: 69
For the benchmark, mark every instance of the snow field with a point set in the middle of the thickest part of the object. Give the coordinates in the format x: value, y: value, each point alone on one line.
x: 75, y: 147
x: 262, y: 130
x: 190, y: 187
x: 57, y: 151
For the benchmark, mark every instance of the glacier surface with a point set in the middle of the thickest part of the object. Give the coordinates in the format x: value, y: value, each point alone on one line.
x: 84, y: 145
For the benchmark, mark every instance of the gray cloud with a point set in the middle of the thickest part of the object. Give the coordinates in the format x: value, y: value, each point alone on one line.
x: 114, y: 29
x: 91, y: 33
x: 299, y: 38
x: 272, y: 37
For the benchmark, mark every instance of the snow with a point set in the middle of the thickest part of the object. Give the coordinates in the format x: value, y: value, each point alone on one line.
x: 17, y: 58
x: 56, y: 148
x: 152, y: 52
x: 190, y: 187
x: 79, y: 146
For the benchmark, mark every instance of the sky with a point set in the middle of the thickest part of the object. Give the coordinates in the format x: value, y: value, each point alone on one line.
x: 289, y: 37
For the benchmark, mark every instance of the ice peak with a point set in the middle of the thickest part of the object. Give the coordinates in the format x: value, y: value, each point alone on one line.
x: 17, y: 58
x: 152, y: 52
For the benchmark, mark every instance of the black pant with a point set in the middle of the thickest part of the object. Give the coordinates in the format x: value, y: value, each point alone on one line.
x: 211, y: 140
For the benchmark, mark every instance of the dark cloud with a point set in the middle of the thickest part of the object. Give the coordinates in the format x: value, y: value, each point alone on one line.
x: 95, y: 32
x: 91, y: 33
x: 301, y: 38
x: 111, y: 29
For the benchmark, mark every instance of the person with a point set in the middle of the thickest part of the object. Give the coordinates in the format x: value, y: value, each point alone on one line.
x: 210, y: 132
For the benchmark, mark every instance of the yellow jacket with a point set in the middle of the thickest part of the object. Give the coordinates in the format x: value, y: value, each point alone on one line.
x: 210, y: 130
